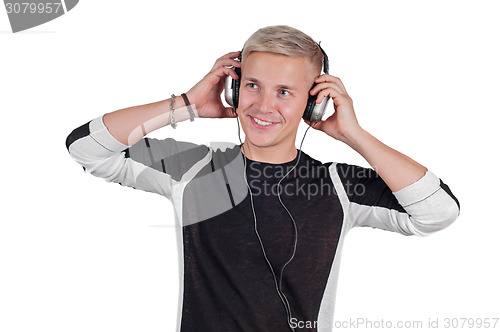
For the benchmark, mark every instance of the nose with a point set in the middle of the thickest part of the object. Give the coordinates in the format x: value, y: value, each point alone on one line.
x: 265, y: 102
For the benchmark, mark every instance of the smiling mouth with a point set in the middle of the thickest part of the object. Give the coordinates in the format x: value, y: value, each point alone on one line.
x: 261, y: 122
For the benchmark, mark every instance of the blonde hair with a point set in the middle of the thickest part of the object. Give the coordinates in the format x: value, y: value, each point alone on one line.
x: 284, y: 40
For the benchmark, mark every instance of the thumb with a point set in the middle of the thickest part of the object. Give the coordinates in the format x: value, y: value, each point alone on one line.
x: 229, y: 113
x: 316, y: 125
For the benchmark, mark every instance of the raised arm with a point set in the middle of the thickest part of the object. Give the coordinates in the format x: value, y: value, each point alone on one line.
x: 113, y: 146
x: 129, y: 125
x: 427, y: 201
x: 396, y: 169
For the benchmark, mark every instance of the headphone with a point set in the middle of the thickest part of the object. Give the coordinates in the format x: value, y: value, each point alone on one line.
x: 313, y: 112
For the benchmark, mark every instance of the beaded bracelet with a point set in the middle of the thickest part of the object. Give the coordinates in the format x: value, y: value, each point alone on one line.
x: 172, y: 109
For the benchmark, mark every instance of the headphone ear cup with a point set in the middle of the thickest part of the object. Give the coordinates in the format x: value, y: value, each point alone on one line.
x: 236, y: 88
x: 314, y: 112
x: 308, y: 112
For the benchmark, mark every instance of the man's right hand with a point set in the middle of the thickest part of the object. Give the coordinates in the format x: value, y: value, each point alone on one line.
x: 205, y: 95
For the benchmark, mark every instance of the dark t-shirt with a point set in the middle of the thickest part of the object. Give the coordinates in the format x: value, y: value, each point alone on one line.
x: 226, y: 274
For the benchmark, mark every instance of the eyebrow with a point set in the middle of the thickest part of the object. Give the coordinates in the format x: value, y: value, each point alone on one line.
x: 280, y: 86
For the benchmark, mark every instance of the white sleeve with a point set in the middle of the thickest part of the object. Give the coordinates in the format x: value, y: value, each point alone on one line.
x: 150, y: 164
x: 429, y: 203
x: 421, y: 208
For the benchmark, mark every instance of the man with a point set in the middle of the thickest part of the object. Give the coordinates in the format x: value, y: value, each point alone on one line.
x: 263, y: 223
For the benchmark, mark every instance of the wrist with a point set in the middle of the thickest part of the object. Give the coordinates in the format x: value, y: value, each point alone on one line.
x: 193, y: 103
x: 181, y: 111
x: 353, y: 136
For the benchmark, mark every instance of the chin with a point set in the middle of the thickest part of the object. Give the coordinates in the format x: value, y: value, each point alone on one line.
x: 260, y: 143
x: 259, y: 140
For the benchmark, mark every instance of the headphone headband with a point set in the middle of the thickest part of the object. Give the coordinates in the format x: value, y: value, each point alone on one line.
x: 313, y: 112
x: 326, y: 63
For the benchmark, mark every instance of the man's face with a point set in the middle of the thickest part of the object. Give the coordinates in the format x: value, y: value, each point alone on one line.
x: 274, y: 89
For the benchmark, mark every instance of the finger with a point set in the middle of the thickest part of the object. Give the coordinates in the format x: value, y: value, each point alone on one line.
x: 325, y: 93
x: 334, y: 94
x: 214, y: 77
x: 331, y: 79
x: 336, y: 97
x: 229, y: 63
x: 224, y: 71
x: 230, y: 55
x: 226, y: 63
x: 229, y: 112
x: 316, y: 125
x: 323, y: 86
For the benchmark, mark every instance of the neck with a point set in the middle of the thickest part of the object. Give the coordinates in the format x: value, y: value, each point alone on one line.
x: 272, y: 155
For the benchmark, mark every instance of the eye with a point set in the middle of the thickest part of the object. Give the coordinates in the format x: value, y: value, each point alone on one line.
x: 284, y: 92
x: 252, y: 85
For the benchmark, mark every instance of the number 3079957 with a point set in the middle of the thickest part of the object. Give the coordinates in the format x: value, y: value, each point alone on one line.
x: 32, y: 7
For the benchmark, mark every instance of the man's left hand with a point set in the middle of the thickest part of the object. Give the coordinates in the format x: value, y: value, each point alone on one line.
x: 342, y: 123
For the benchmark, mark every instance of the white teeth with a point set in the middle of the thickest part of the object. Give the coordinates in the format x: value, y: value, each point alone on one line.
x: 262, y: 123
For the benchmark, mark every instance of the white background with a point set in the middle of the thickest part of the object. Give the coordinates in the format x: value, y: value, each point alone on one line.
x: 80, y: 254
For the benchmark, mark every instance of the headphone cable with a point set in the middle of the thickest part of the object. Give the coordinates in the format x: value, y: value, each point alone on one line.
x: 278, y: 283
